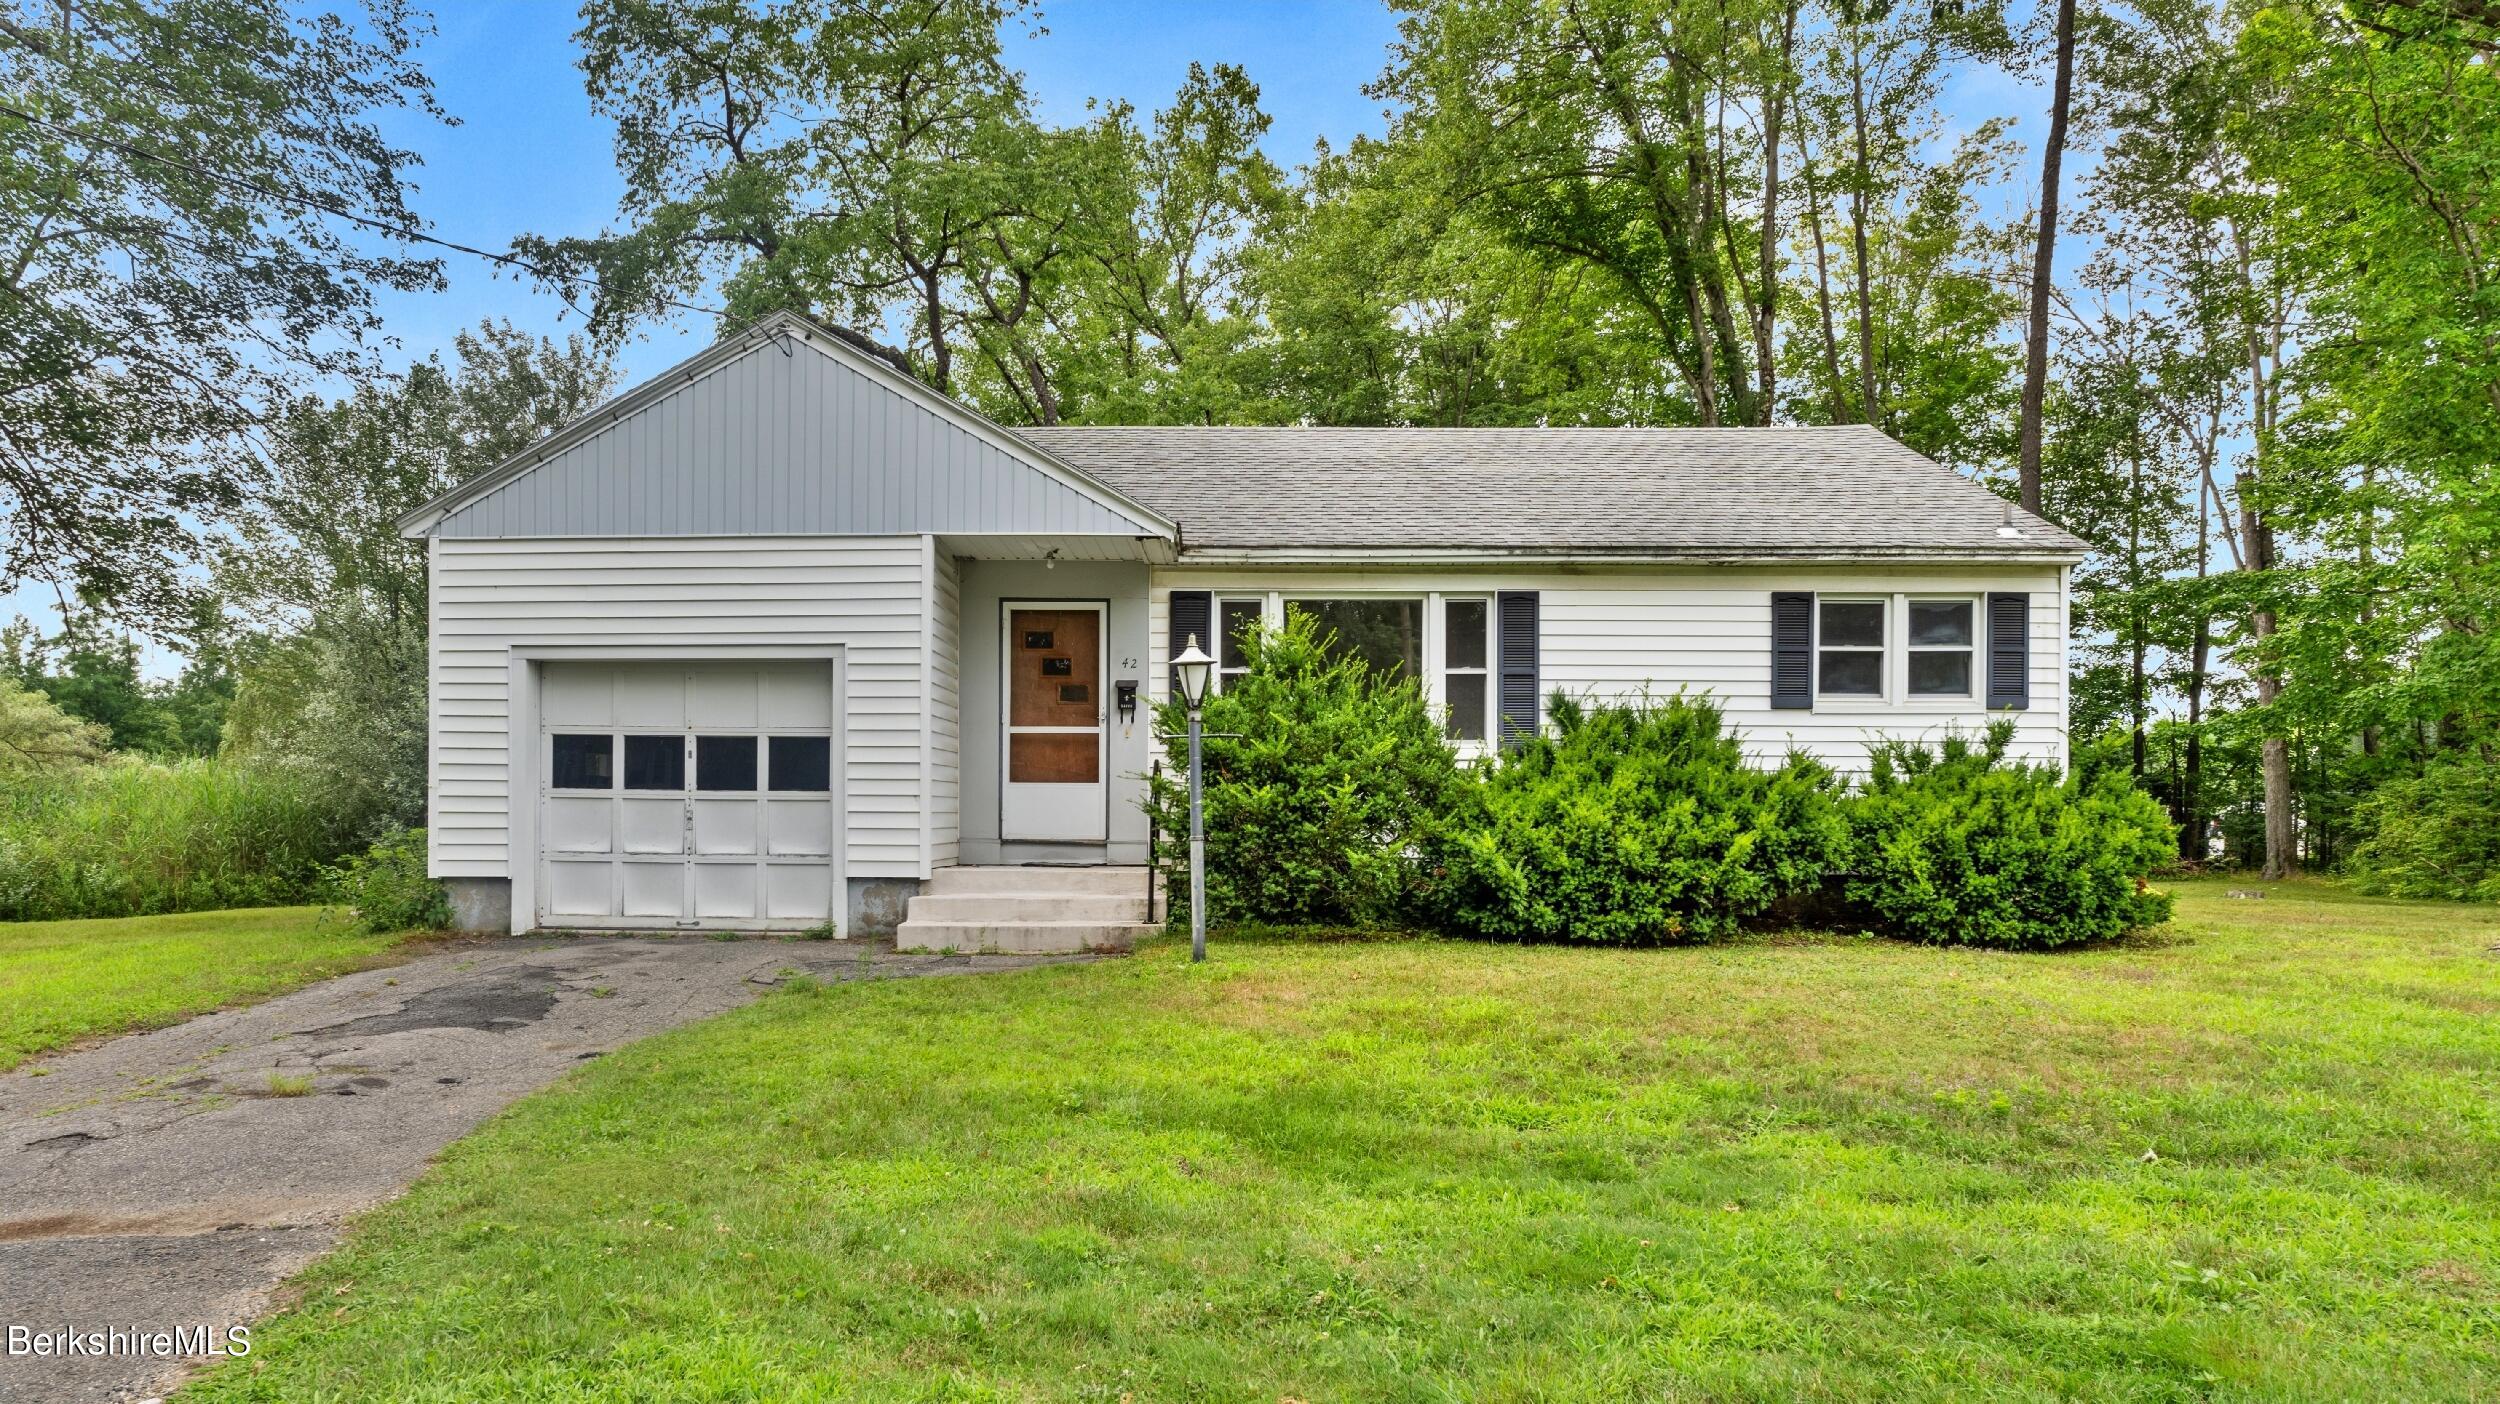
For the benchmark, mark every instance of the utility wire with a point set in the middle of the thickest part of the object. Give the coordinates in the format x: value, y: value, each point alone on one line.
x: 398, y: 231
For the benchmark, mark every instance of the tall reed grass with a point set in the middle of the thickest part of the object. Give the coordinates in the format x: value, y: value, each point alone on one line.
x: 131, y: 838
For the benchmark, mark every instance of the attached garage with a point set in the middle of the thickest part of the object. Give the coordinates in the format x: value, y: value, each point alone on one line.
x: 696, y: 795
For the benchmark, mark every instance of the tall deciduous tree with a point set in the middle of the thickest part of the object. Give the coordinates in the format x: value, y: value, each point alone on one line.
x: 321, y: 566
x: 179, y: 187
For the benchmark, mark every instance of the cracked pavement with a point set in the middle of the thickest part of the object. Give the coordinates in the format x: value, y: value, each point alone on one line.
x: 179, y: 1177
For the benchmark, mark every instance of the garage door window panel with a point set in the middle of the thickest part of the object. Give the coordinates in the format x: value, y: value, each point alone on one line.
x: 801, y: 764
x: 582, y: 761
x: 655, y: 763
x: 724, y: 763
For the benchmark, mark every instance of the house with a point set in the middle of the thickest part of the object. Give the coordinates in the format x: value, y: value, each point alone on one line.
x: 782, y: 637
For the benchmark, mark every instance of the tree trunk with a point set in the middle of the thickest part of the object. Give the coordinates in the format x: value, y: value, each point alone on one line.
x: 1766, y: 297
x: 2044, y: 259
x: 1822, y: 284
x: 2192, y: 785
x: 1857, y: 233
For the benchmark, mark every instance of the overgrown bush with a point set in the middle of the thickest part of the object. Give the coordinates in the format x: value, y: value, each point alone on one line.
x: 1634, y: 825
x: 1956, y: 845
x: 1319, y: 779
x: 129, y: 838
x: 385, y: 887
x: 2436, y: 835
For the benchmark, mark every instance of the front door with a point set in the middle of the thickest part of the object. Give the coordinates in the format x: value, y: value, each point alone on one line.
x: 1056, y: 789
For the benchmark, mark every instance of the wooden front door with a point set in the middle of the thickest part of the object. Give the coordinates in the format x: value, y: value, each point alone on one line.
x: 1055, y: 789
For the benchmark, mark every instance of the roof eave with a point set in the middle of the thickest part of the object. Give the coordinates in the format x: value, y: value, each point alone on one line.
x: 1551, y: 555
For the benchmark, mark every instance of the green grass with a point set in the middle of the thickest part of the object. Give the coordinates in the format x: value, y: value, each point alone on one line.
x: 64, y: 981
x: 2256, y: 1157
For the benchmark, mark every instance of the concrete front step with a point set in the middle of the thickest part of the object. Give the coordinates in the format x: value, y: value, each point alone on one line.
x: 1020, y: 937
x: 1024, y: 906
x: 1027, y: 910
x: 1039, y: 880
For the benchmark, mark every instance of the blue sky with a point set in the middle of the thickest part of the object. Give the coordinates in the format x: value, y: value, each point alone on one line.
x: 528, y: 156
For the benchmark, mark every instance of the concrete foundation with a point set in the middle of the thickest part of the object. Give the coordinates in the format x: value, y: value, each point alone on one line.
x: 485, y: 904
x: 877, y: 904
x: 480, y: 904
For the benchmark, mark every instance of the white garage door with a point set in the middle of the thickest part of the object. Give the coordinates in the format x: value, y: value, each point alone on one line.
x: 686, y: 795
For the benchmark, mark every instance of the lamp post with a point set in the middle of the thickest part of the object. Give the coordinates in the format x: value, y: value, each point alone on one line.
x: 1193, y: 668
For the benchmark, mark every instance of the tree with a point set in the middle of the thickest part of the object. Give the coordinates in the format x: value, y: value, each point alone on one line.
x: 37, y: 737
x: 1591, y: 133
x: 177, y: 185
x: 2044, y: 256
x: 837, y: 158
x: 339, y: 678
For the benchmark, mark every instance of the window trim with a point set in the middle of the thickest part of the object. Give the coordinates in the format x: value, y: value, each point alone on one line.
x: 1972, y: 650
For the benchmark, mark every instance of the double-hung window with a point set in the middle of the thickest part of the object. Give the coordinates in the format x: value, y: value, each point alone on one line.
x: 1940, y: 642
x: 1849, y: 648
x: 1466, y: 685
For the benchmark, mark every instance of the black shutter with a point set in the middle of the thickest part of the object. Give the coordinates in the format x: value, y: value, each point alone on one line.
x: 1193, y: 613
x: 1792, y: 650
x: 2009, y: 651
x: 1521, y: 708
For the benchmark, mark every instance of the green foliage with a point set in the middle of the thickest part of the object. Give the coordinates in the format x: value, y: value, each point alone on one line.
x: 38, y: 738
x: 169, y: 172
x: 1956, y: 846
x: 90, y: 670
x: 1634, y: 825
x: 337, y: 690
x: 133, y: 837
x: 1321, y: 778
x: 385, y: 888
x: 2436, y: 834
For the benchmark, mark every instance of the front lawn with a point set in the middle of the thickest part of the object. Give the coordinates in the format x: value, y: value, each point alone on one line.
x: 62, y: 981
x: 2254, y: 1157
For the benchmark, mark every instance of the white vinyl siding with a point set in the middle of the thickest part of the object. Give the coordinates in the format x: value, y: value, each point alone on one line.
x: 867, y: 595
x: 1619, y: 634
x: 946, y: 615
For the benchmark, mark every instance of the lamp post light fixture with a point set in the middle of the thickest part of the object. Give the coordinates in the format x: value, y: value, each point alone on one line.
x: 1193, y: 668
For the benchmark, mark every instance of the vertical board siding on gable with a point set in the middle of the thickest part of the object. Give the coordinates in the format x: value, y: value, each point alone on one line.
x: 867, y: 594
x: 1619, y: 635
x: 946, y: 613
x: 775, y: 444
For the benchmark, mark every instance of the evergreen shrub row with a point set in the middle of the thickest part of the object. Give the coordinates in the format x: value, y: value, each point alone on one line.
x: 1332, y: 799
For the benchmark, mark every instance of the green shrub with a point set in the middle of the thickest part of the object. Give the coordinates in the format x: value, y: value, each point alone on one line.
x: 130, y: 838
x: 1958, y: 846
x: 1634, y: 825
x: 1315, y: 798
x: 385, y: 887
x: 2436, y: 835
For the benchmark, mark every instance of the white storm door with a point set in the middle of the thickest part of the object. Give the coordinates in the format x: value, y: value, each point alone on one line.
x: 1056, y: 786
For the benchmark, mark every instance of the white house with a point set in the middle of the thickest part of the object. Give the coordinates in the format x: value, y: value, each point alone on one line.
x: 783, y: 638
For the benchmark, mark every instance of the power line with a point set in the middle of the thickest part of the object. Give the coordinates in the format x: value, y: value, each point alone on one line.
x: 504, y: 259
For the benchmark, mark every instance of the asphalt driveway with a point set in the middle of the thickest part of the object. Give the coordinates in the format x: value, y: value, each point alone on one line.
x: 174, y: 1179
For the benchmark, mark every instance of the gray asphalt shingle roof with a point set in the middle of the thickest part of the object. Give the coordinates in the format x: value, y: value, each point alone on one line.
x: 1708, y: 492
